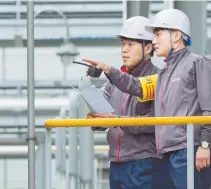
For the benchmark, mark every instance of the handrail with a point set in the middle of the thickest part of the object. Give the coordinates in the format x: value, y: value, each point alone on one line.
x: 140, y: 121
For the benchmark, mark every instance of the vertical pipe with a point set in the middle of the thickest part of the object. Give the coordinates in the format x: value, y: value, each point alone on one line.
x: 124, y: 10
x: 95, y: 180
x: 60, y: 143
x: 30, y: 94
x: 5, y: 173
x: 64, y: 77
x: 67, y: 180
x: 168, y: 4
x: 100, y: 163
x: 73, y: 142
x: 3, y: 65
x: 190, y: 156
x: 48, y: 159
x: 40, y: 163
x: 3, y: 71
x: 137, y: 8
x: 86, y: 153
x: 18, y: 16
x: 197, y: 13
x: 64, y: 71
x: 61, y: 151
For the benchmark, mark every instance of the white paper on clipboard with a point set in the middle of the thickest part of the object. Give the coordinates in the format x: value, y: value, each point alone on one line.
x: 96, y: 101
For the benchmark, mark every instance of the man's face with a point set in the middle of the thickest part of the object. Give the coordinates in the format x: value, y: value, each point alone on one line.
x: 131, y: 53
x: 161, y: 42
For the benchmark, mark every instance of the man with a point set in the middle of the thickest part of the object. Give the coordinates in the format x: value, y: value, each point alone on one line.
x: 183, y: 89
x: 132, y: 152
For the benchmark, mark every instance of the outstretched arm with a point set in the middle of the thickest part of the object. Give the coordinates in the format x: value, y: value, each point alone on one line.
x: 143, y: 87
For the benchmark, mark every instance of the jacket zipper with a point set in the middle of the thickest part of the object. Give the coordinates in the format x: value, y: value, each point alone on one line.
x: 118, y: 133
x: 163, y: 106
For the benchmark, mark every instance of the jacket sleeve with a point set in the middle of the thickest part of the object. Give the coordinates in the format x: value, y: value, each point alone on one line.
x: 141, y: 129
x: 143, y: 87
x: 203, y: 79
x: 106, y: 90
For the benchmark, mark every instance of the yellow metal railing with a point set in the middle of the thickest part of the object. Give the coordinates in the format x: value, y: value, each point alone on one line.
x: 141, y: 121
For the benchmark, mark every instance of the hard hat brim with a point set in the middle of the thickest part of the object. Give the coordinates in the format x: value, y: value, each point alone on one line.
x: 130, y: 37
x: 123, y: 35
x: 151, y: 28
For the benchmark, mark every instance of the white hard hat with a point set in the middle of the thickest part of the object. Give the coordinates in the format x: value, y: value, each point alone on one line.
x: 170, y: 19
x: 134, y: 28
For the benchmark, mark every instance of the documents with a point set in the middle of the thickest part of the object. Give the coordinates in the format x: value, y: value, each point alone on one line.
x: 96, y: 101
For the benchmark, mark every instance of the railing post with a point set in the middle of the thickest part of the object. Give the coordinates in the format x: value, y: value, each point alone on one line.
x: 40, y: 163
x: 48, y: 159
x: 190, y: 156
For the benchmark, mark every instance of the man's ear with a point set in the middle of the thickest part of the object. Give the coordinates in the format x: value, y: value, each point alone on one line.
x: 177, y: 35
x: 148, y: 48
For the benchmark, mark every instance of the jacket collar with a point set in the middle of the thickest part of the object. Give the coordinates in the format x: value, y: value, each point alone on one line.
x: 175, y: 57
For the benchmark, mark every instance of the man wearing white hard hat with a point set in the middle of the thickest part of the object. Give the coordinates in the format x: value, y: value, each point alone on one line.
x: 183, y: 89
x: 135, y: 163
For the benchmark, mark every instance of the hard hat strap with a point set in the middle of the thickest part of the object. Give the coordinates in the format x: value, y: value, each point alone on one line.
x: 143, y: 53
x: 172, y: 49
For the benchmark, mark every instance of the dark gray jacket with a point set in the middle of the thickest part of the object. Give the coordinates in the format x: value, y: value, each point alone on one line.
x: 183, y: 89
x: 131, y: 143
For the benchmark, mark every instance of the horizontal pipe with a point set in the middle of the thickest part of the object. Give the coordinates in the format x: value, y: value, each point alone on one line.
x: 141, y: 121
x: 8, y: 85
x: 13, y: 141
x: 41, y: 103
x: 19, y: 104
x: 19, y: 126
x: 99, y: 139
x: 24, y: 155
x: 11, y: 84
x: 23, y: 148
